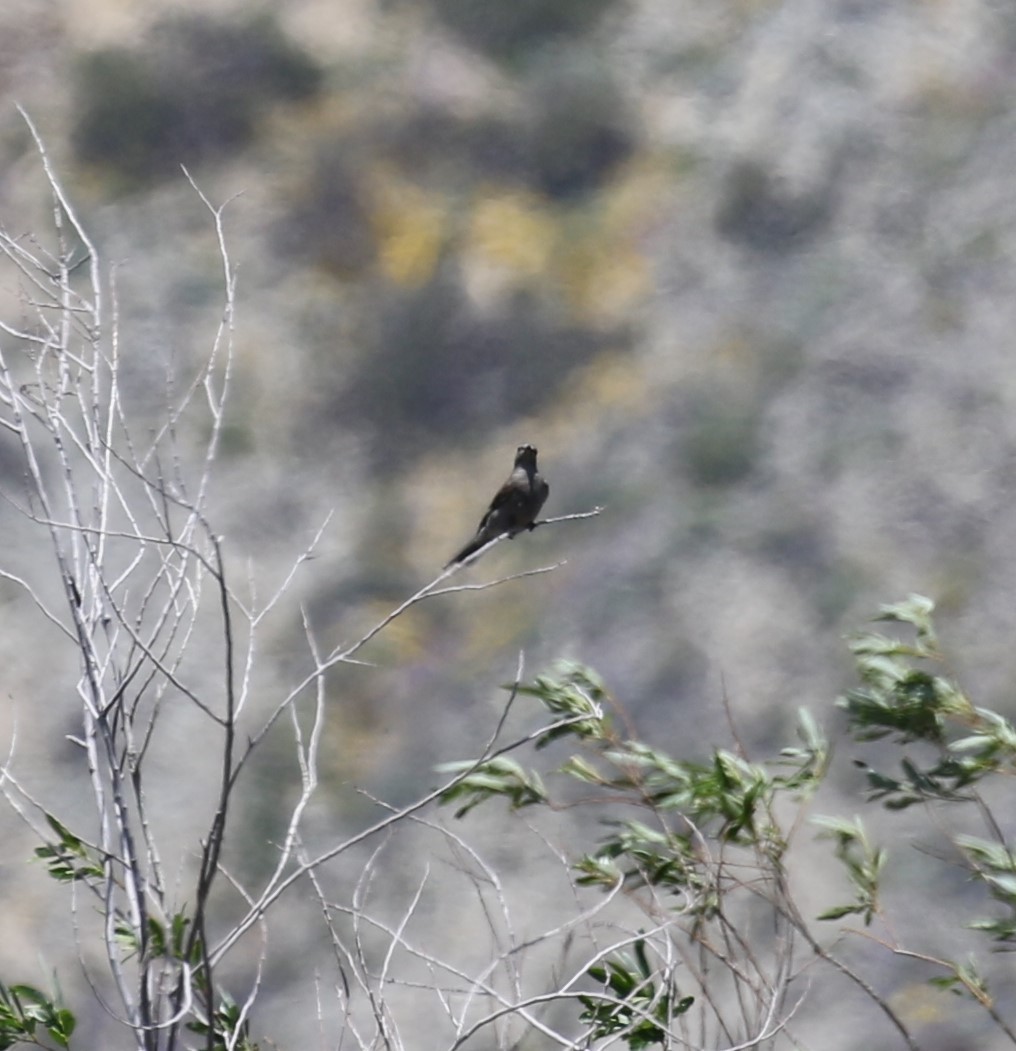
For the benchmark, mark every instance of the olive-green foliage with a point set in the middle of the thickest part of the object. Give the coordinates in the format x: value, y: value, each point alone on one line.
x: 566, y: 142
x: 508, y: 30
x: 581, y: 130
x: 721, y: 446
x: 681, y: 828
x: 438, y: 369
x: 330, y: 225
x: 192, y: 91
x: 25, y: 1010
x: 447, y: 148
x: 760, y: 213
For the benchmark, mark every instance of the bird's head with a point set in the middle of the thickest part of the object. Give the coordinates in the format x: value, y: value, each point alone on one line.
x: 525, y: 456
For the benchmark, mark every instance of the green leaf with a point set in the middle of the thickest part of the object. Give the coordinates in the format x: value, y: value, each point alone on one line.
x: 578, y: 768
x: 23, y: 1008
x: 916, y: 610
x: 501, y: 776
x: 570, y: 691
x: 839, y: 911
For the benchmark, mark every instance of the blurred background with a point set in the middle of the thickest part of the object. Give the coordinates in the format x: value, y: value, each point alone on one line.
x: 743, y: 271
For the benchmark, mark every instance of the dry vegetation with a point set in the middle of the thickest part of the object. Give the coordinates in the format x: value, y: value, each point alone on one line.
x: 743, y: 275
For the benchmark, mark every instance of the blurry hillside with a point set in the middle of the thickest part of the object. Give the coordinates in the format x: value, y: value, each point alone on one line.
x: 744, y: 273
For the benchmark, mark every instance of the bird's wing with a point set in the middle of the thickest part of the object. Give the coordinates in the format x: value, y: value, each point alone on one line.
x: 506, y: 493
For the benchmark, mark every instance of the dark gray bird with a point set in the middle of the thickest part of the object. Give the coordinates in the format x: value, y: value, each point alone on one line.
x: 515, y: 506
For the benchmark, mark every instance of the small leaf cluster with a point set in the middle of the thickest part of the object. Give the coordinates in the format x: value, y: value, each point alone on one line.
x: 949, y: 748
x: 634, y: 1003
x: 500, y: 776
x: 995, y: 864
x: 69, y: 858
x: 703, y: 835
x: 726, y: 798
x: 900, y: 698
x: 162, y: 939
x: 229, y: 1030
x: 24, y: 1010
x: 577, y: 696
x: 864, y: 864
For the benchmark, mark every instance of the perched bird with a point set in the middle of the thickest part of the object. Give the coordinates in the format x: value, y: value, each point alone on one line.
x: 515, y: 506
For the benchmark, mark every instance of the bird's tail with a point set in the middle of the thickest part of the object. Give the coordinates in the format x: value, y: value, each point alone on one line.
x: 471, y: 548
